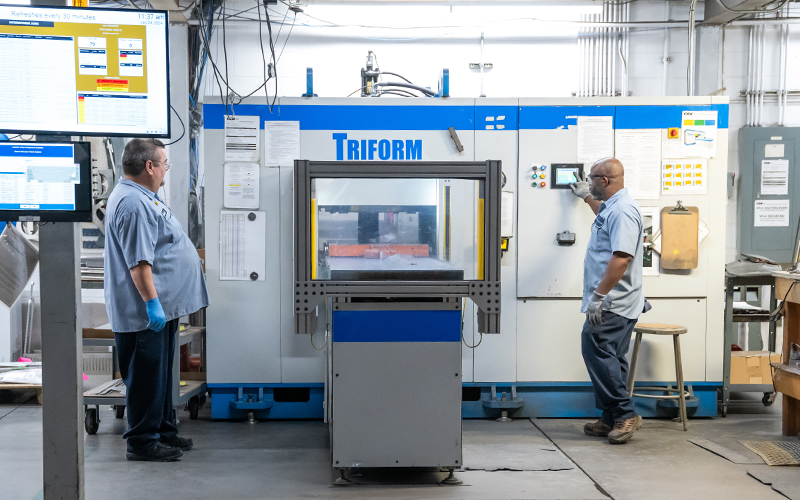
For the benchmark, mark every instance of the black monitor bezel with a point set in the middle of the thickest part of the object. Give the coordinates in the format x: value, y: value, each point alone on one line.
x: 555, y: 167
x: 83, y: 191
x: 167, y: 135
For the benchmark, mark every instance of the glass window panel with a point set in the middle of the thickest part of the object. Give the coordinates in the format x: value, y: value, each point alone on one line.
x: 396, y: 229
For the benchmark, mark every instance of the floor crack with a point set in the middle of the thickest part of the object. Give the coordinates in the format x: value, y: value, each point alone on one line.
x: 596, y: 484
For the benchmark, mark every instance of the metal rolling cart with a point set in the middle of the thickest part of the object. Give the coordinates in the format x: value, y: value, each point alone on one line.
x: 743, y: 282
x: 192, y: 394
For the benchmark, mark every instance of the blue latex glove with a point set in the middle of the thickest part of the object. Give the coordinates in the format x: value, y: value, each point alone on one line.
x: 594, y: 310
x: 156, y: 315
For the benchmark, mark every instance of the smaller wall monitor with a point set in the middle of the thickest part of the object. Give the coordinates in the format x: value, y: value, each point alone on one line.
x: 45, y: 182
x: 565, y: 174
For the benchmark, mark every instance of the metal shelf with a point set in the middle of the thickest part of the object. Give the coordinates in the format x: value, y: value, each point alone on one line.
x: 729, y: 334
x: 751, y: 318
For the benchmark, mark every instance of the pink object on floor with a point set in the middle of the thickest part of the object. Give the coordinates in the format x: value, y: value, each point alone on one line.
x: 85, y: 377
x: 25, y: 360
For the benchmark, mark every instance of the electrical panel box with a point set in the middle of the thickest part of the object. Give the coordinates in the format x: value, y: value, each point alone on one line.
x: 769, y: 194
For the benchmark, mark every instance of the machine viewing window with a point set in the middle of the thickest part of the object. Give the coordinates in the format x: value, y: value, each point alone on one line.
x: 84, y: 71
x: 395, y: 229
x: 565, y: 174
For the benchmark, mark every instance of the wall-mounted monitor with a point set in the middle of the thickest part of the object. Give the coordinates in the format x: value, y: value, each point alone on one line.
x: 45, y: 182
x: 84, y: 71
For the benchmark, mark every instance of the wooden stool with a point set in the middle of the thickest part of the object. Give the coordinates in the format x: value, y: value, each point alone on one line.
x: 661, y: 329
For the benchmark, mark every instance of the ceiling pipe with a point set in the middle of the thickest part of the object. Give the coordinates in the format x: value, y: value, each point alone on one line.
x: 690, y: 70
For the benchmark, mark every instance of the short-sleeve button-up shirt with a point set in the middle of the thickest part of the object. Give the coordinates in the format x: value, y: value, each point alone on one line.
x: 618, y: 227
x: 140, y: 227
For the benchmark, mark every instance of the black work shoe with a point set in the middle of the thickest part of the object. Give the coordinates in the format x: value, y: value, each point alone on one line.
x: 185, y: 444
x: 160, y: 453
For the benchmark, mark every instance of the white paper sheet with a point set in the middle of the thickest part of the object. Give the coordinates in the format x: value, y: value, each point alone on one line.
x: 241, y: 138
x: 698, y: 134
x: 651, y: 264
x: 595, y: 138
x: 684, y: 176
x: 507, y: 215
x: 775, y: 177
x: 281, y: 143
x: 671, y: 148
x: 640, y: 154
x: 242, y: 245
x: 771, y: 213
x: 774, y: 150
x: 18, y: 258
x: 241, y: 183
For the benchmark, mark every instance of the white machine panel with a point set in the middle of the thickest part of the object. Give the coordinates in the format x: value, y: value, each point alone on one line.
x: 495, y: 358
x: 549, y: 341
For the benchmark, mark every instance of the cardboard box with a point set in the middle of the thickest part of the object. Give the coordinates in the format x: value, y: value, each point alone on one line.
x: 787, y: 380
x: 752, y: 367
x: 201, y: 252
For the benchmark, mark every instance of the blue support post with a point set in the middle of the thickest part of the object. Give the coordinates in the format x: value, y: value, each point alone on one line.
x: 310, y: 83
x: 444, y: 84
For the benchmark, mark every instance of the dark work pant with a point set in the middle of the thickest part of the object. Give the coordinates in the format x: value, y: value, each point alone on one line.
x: 604, y: 348
x: 145, y: 362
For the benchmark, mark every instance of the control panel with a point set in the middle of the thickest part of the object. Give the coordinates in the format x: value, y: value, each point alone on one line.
x: 565, y: 174
x: 538, y: 175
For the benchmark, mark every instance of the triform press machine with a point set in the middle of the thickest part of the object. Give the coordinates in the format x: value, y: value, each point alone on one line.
x: 387, y: 253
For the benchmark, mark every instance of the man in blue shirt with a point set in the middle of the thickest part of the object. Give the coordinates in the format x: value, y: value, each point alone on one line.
x: 153, y: 276
x: 612, y: 296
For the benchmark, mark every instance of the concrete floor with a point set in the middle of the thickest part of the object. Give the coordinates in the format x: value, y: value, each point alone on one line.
x: 290, y: 459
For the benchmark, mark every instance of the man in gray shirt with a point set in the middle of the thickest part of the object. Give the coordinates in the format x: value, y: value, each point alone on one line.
x: 612, y: 296
x: 153, y: 276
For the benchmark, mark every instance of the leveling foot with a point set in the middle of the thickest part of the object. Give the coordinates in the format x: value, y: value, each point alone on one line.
x: 451, y: 480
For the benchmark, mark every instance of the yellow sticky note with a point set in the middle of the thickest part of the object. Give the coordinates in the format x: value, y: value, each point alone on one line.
x: 698, y: 174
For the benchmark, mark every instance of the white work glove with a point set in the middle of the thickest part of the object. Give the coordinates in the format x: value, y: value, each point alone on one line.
x: 581, y: 187
x: 594, y: 311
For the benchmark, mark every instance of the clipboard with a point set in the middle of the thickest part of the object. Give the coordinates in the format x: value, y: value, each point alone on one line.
x: 679, y: 239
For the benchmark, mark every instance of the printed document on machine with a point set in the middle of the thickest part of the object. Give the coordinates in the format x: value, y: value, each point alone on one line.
x: 281, y: 143
x: 242, y: 245
x: 595, y: 138
x: 241, y: 183
x: 18, y: 258
x: 775, y: 177
x: 241, y: 138
x: 640, y: 154
x: 771, y: 213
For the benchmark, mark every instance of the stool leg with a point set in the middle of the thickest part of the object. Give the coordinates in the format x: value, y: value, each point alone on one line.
x: 679, y: 375
x: 634, y: 358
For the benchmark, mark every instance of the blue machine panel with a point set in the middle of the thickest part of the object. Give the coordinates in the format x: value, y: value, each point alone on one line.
x: 397, y: 326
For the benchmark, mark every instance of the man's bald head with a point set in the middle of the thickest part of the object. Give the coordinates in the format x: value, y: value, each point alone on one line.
x: 606, y: 177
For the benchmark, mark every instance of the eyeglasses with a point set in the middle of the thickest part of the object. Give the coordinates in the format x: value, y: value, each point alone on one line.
x: 167, y: 164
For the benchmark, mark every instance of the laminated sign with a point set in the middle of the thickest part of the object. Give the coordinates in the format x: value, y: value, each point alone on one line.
x: 771, y: 213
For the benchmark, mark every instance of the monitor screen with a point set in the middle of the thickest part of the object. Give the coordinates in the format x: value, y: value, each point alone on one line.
x: 47, y: 182
x: 566, y: 175
x: 84, y: 71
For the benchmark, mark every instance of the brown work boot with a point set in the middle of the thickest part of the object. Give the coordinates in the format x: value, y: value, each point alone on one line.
x: 598, y: 428
x: 623, y: 430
